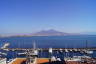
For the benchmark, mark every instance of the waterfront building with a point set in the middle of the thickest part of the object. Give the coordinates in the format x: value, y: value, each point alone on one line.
x: 2, y: 60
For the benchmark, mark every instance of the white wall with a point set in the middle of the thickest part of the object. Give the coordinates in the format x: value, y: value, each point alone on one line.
x: 3, y: 61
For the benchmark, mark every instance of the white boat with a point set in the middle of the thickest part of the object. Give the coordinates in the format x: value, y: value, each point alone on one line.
x: 3, y: 53
x: 61, y: 50
x: 6, y: 49
x: 36, y: 52
x: 23, y: 53
x: 75, y: 50
x: 53, y: 58
x: 70, y: 50
x: 66, y: 50
x: 73, y: 59
x: 5, y: 45
x: 89, y: 52
x: 50, y: 50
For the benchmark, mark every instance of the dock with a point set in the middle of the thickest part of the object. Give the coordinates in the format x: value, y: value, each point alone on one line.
x: 46, y: 49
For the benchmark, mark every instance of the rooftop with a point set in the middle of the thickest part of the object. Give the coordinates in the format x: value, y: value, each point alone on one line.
x: 44, y: 61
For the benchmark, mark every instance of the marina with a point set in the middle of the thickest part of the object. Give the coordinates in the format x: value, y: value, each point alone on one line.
x: 49, y: 55
x: 34, y: 58
x: 45, y: 49
x: 23, y: 53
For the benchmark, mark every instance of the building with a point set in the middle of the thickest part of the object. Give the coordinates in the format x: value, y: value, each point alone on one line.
x: 2, y: 60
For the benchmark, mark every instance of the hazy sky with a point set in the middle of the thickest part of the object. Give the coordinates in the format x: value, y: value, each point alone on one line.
x: 27, y: 16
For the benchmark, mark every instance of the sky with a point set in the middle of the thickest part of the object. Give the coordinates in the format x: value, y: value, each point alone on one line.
x: 28, y: 16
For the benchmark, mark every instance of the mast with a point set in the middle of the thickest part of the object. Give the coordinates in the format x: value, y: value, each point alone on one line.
x: 32, y: 55
x: 86, y: 44
x: 34, y: 45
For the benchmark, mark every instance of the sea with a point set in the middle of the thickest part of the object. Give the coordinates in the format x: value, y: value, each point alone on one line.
x: 77, y: 41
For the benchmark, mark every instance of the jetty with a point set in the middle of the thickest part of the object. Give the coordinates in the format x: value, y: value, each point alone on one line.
x: 45, y: 49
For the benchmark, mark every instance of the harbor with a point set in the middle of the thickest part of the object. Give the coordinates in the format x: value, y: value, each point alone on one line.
x: 41, y: 50
x: 62, y: 57
x: 49, y: 55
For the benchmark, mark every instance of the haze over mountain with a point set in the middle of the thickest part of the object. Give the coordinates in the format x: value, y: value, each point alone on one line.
x: 50, y: 32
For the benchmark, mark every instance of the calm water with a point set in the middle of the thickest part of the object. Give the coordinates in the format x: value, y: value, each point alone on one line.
x: 50, y: 41
x: 46, y: 42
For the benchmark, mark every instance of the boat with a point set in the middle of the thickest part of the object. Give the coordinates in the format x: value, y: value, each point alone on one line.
x: 23, y: 53
x: 1, y: 53
x: 5, y: 45
x: 89, y: 52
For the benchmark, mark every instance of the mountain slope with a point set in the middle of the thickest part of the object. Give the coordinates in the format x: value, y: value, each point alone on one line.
x: 50, y: 33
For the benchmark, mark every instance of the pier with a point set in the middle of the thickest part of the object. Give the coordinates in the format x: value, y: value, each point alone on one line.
x: 45, y: 49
